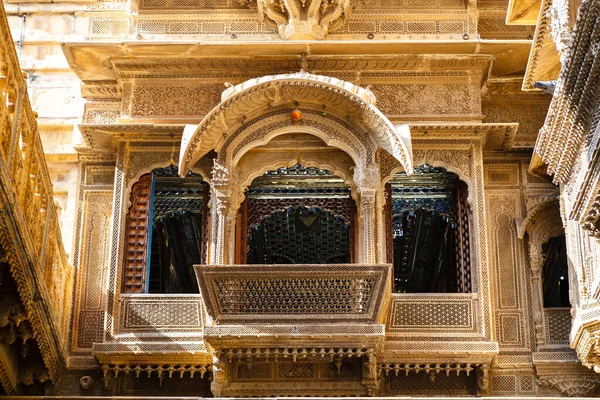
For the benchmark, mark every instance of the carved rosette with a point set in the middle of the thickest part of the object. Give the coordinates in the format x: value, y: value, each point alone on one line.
x: 302, y: 19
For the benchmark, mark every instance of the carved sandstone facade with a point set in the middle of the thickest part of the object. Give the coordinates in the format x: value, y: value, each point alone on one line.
x: 299, y: 198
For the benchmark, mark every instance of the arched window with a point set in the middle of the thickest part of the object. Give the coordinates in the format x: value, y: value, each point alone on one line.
x: 165, y: 229
x: 299, y: 215
x: 430, y: 230
x: 555, y: 273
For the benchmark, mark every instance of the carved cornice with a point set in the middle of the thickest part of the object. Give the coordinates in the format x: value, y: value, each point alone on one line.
x: 141, y: 59
x: 522, y: 12
x: 510, y: 85
x: 497, y: 137
x: 168, y: 365
x: 544, y: 62
x: 101, y: 90
x: 105, y: 137
x: 242, y: 68
x: 405, y: 350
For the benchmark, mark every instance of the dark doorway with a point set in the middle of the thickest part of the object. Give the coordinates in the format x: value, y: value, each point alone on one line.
x: 556, y: 273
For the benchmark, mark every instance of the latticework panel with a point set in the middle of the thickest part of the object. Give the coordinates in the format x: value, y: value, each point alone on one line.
x: 254, y: 294
x: 414, y: 4
x: 558, y: 326
x: 255, y: 371
x: 108, y: 26
x: 300, y: 236
x: 313, y: 296
x: 297, y: 371
x: 458, y: 25
x: 242, y: 25
x: 190, y: 4
x: 494, y: 27
x: 136, y: 230
x: 433, y: 313
x: 515, y: 384
x: 130, y: 385
x: 431, y: 385
x: 504, y: 384
x: 160, y: 314
x: 259, y: 208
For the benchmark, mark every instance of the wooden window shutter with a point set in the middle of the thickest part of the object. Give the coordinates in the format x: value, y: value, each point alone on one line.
x: 137, y: 228
x: 463, y: 238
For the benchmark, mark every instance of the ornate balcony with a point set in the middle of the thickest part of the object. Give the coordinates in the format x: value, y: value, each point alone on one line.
x: 37, y: 278
x: 288, y: 294
x: 300, y: 306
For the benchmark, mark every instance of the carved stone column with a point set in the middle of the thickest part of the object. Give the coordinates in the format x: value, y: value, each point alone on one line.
x: 383, y: 228
x: 367, y: 180
x: 223, y: 224
x: 536, y: 261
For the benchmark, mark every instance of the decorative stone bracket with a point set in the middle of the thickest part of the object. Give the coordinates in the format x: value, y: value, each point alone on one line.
x: 302, y: 19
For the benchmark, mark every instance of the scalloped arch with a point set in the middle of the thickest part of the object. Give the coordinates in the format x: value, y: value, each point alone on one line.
x: 259, y: 96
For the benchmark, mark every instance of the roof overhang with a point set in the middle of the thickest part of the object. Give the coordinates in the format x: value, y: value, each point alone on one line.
x: 523, y: 12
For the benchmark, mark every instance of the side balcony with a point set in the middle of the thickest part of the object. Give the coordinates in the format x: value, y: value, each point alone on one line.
x: 35, y: 275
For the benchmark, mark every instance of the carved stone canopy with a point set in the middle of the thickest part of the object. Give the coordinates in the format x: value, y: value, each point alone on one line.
x: 324, y: 97
x: 302, y: 19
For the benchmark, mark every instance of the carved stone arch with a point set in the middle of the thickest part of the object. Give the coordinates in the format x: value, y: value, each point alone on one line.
x: 433, y: 163
x: 541, y: 223
x: 430, y: 158
x: 332, y: 133
x: 148, y: 169
x: 342, y: 114
x: 537, y: 212
x: 259, y: 96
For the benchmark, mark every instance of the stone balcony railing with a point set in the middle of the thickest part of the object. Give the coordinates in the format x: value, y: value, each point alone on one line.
x: 30, y: 238
x: 292, y: 294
